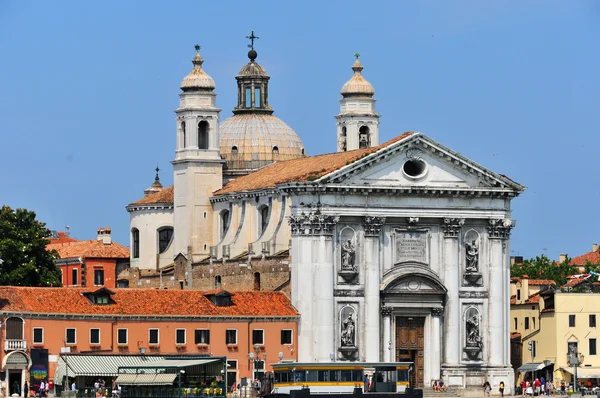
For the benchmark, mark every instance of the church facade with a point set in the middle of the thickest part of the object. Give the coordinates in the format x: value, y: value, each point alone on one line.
x: 399, y: 251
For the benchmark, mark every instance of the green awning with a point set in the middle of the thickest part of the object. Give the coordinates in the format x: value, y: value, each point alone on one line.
x: 99, y: 365
x: 149, y: 379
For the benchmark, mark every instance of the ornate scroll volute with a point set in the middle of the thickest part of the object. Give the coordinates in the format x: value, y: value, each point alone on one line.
x: 451, y: 227
x: 372, y: 225
x: 500, y: 228
x: 313, y: 223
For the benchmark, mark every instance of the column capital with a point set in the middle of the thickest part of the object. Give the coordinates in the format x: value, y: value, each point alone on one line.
x: 500, y: 228
x: 372, y: 225
x: 451, y: 227
x: 386, y: 311
x: 313, y: 223
x: 437, y: 311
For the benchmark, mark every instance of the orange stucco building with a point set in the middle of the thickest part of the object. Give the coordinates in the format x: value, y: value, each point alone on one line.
x: 89, y: 262
x: 250, y: 328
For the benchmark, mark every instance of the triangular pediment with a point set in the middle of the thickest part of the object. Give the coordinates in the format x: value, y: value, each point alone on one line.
x: 418, y: 161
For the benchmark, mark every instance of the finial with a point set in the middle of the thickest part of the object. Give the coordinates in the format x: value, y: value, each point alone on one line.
x: 252, y: 37
x: 357, y: 55
x: 197, y: 47
x: 157, y: 179
x: 197, y: 61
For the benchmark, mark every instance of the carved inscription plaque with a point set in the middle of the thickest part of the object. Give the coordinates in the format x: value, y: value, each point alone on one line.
x: 411, y: 246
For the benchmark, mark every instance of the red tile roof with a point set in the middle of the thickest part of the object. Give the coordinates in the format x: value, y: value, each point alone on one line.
x: 140, y: 302
x: 541, y: 282
x: 167, y: 195
x: 62, y: 238
x: 513, y: 299
x: 592, y: 257
x: 515, y: 336
x: 533, y: 299
x: 89, y: 249
x: 300, y: 170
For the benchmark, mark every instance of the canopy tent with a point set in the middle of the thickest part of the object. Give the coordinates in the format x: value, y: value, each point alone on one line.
x: 584, y: 372
x: 98, y: 365
x: 533, y: 366
x: 211, y: 365
x: 152, y: 379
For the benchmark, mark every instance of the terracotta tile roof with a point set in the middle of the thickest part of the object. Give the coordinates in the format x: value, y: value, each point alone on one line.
x: 513, y: 299
x: 574, y: 282
x: 541, y: 282
x: 154, y: 302
x: 164, y: 196
x: 300, y: 170
x: 592, y: 257
x: 62, y: 237
x: 515, y: 336
x: 89, y: 249
x: 533, y: 299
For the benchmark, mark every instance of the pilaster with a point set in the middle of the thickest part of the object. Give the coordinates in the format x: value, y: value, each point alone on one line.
x: 451, y: 228
x: 372, y: 230
x: 386, y: 345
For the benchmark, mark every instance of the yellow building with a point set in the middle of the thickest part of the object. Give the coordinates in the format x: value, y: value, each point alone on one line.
x: 567, y: 325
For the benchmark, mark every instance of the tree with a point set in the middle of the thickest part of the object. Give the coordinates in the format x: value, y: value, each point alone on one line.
x: 542, y: 268
x: 25, y: 260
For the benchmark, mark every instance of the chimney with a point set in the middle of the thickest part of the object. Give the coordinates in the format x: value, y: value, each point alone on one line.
x: 595, y: 247
x: 104, y: 235
x: 562, y: 258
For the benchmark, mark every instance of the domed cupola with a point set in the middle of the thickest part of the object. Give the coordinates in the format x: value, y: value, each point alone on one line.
x: 357, y: 86
x: 197, y: 79
x: 253, y: 138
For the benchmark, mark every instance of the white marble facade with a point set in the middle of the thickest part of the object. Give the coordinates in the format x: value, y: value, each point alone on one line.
x: 382, y: 239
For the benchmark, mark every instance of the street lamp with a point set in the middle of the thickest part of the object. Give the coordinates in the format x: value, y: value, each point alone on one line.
x: 250, y: 362
x: 181, y: 372
x: 530, y: 348
x: 280, y: 356
x: 575, y: 359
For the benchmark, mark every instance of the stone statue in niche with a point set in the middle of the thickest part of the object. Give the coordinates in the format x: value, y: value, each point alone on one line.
x: 473, y: 332
x: 348, y: 332
x: 472, y: 255
x: 348, y: 251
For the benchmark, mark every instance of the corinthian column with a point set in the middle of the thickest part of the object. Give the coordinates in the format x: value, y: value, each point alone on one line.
x: 372, y: 227
x: 436, y: 355
x: 451, y: 228
x: 499, y: 303
x: 387, y: 334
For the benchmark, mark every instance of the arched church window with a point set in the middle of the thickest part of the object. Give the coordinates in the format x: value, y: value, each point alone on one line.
x: 165, y: 236
x: 275, y: 150
x: 263, y: 212
x: 342, y: 141
x: 203, y: 135
x: 218, y: 282
x: 234, y: 150
x: 364, y: 137
x: 135, y: 242
x: 224, y: 222
x: 344, y: 131
x: 257, y: 281
x: 183, y: 143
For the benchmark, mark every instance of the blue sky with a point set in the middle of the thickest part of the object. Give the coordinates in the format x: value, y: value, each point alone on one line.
x: 88, y: 89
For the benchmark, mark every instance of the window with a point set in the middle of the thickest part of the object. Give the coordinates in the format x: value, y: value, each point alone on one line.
x: 264, y: 218
x: 70, y: 337
x: 364, y: 137
x: 203, y: 135
x: 526, y: 323
x: 232, y: 364
x: 234, y: 150
x: 94, y: 336
x: 275, y: 150
x: 257, y: 97
x: 98, y: 277
x: 516, y: 323
x: 165, y: 235
x: 218, y: 282
x: 248, y: 97
x: 122, y: 336
x: 286, y: 336
x: 100, y: 299
x: 231, y: 336
x: 519, y: 294
x: 183, y: 143
x: 180, y: 336
x: 74, y: 277
x: 202, y: 336
x: 153, y: 336
x: 224, y: 222
x: 571, y: 321
x: 258, y: 337
x: 593, y: 349
x: 135, y: 242
x: 257, y: 281
x: 231, y: 371
x: 38, y: 335
x: 533, y: 322
x: 592, y: 320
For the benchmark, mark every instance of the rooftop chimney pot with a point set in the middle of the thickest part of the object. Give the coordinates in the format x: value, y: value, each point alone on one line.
x: 562, y: 258
x: 595, y: 247
x: 104, y: 235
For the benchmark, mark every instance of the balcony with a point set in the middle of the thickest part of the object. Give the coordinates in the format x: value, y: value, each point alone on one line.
x: 13, y: 345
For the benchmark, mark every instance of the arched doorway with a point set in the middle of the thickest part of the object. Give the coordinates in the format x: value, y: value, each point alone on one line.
x: 414, y: 299
x: 15, y: 365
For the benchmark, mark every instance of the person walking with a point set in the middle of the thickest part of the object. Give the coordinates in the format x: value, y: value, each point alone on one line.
x: 501, y: 389
x: 26, y: 389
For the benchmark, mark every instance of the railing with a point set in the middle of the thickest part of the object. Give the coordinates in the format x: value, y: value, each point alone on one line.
x: 13, y: 345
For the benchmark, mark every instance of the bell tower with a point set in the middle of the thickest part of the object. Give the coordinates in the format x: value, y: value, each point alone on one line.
x: 197, y: 165
x: 357, y: 122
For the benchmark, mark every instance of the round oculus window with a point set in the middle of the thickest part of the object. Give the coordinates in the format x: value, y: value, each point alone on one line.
x: 414, y: 168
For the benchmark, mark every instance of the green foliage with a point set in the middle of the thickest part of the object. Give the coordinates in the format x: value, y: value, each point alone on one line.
x: 542, y: 268
x: 25, y: 260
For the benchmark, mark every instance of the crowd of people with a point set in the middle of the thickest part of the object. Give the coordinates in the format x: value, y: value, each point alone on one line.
x: 439, y: 386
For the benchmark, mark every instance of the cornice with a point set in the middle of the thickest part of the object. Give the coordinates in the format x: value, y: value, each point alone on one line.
x: 158, y: 318
x: 244, y: 195
x: 149, y: 206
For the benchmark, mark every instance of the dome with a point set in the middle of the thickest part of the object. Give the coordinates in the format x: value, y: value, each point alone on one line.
x: 252, y: 68
x: 197, y: 79
x: 357, y: 85
x: 251, y: 141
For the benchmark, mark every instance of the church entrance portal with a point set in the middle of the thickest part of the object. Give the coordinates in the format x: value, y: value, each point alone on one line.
x: 409, y: 346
